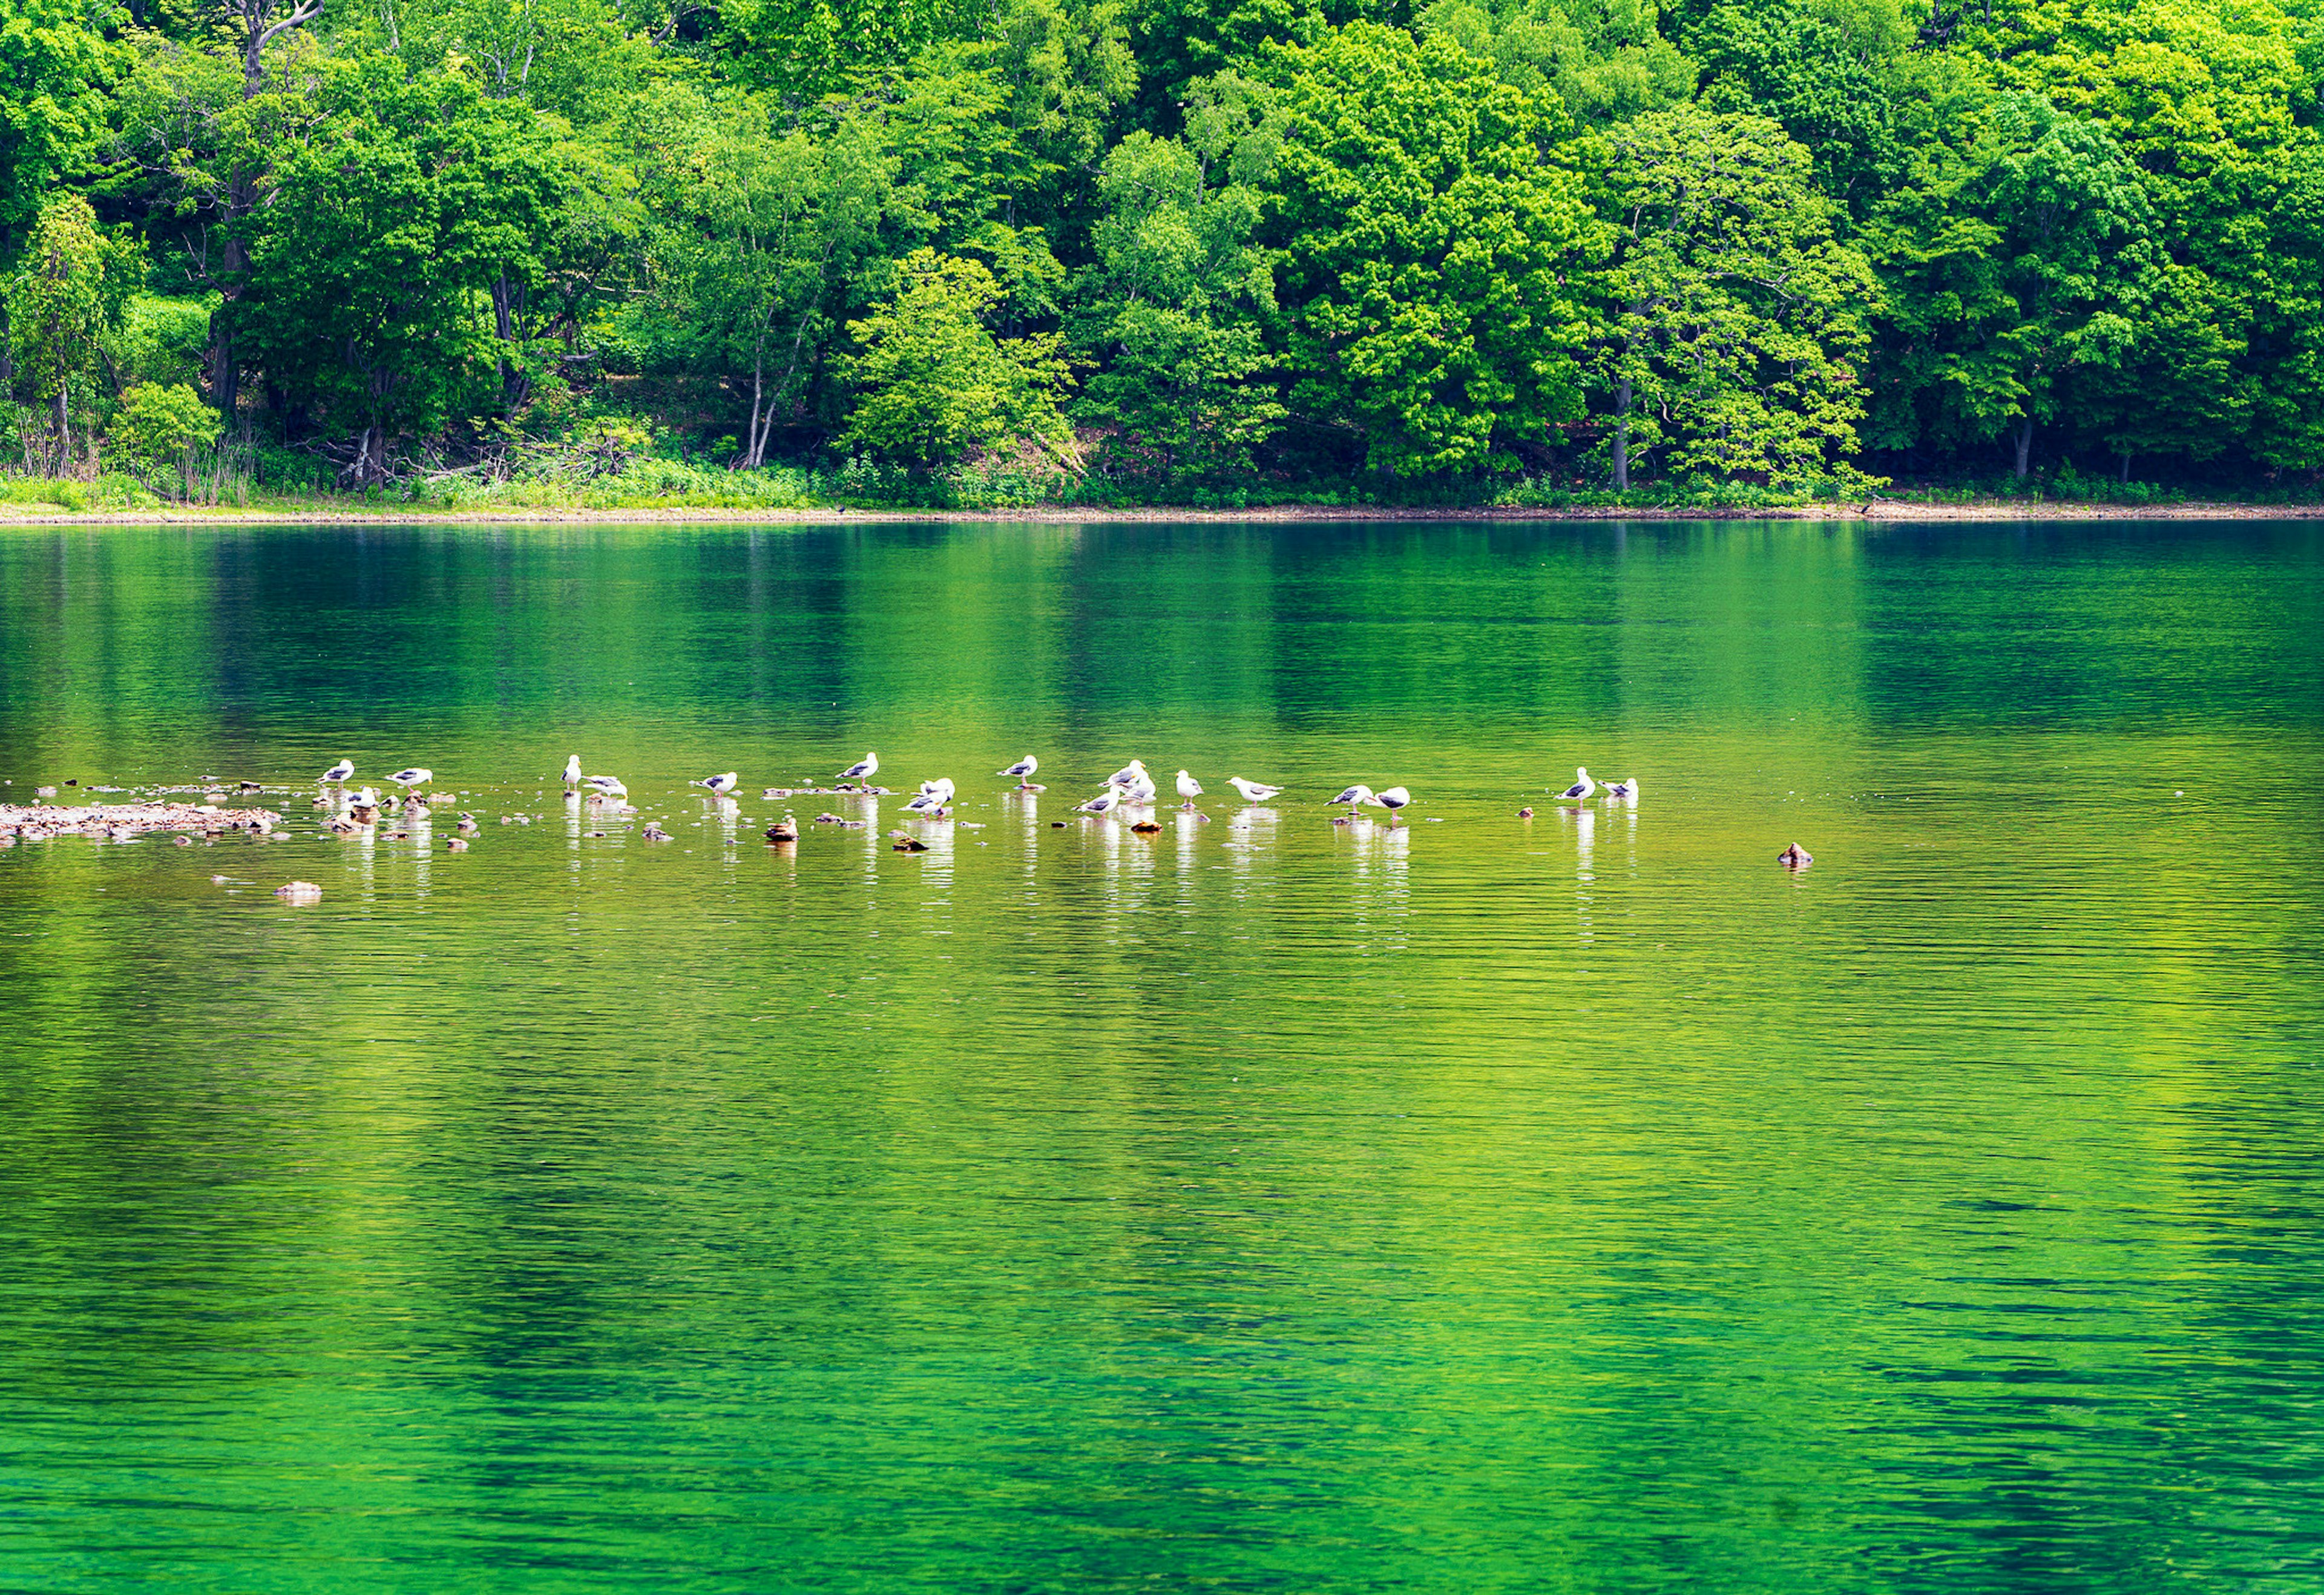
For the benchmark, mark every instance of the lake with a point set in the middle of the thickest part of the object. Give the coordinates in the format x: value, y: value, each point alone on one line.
x: 1458, y: 1203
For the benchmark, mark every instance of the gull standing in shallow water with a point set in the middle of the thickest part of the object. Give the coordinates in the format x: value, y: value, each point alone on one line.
x: 719, y: 785
x: 1023, y: 770
x: 1105, y: 802
x: 1394, y: 799
x: 339, y: 771
x: 1253, y: 791
x: 573, y: 771
x: 862, y: 770
x: 414, y: 777
x: 1626, y: 790
x: 1189, y: 788
x: 606, y: 786
x: 1582, y: 789
x: 934, y: 796
x: 1135, y: 771
x: 1354, y: 798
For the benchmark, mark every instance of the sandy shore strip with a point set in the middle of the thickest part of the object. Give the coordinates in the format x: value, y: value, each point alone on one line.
x: 1877, y: 509
x: 40, y: 822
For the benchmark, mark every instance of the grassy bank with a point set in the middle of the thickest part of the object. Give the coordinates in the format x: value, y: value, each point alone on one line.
x: 670, y: 490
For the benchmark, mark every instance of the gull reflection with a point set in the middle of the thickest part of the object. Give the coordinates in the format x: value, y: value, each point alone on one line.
x: 1584, y: 824
x: 1189, y: 825
x: 1128, y: 860
x: 1027, y: 808
x: 1381, y: 857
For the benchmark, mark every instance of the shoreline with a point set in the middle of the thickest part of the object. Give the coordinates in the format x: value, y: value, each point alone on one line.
x: 1898, y: 510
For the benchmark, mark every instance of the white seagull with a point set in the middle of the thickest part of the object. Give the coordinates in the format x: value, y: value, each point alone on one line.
x: 1135, y: 771
x: 862, y: 770
x: 1627, y: 790
x: 339, y: 771
x: 1023, y: 768
x: 368, y: 797
x: 1394, y: 799
x: 573, y: 770
x: 1105, y: 802
x: 1141, y: 791
x: 1582, y: 789
x: 1253, y: 791
x: 1355, y: 796
x: 719, y: 785
x: 1189, y: 787
x: 934, y: 796
x: 414, y: 777
x: 606, y: 786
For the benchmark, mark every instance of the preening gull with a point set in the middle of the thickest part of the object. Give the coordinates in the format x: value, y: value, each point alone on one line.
x: 719, y: 784
x: 1105, y: 802
x: 339, y: 771
x: 1135, y: 771
x: 1189, y: 787
x: 1582, y: 790
x: 1625, y: 789
x: 1141, y: 791
x: 414, y: 777
x: 1355, y: 796
x: 606, y: 786
x: 1253, y: 791
x: 934, y: 796
x: 1394, y: 799
x: 862, y: 770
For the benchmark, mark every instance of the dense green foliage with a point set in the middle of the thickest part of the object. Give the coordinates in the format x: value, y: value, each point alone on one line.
x: 1171, y: 248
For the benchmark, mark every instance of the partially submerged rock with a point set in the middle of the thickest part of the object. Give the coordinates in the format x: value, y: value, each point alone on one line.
x: 40, y: 821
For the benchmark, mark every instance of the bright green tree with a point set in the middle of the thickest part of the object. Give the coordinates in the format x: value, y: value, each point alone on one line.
x: 2010, y: 266
x: 935, y: 382
x: 2284, y: 350
x: 1732, y: 326
x: 371, y: 268
x: 66, y: 296
x: 163, y: 425
x: 1607, y: 60
x: 1823, y: 72
x: 1425, y: 236
x: 1171, y: 313
x: 763, y: 235
x: 56, y: 72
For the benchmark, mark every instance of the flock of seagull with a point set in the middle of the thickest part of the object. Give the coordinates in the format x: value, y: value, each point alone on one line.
x: 1130, y: 787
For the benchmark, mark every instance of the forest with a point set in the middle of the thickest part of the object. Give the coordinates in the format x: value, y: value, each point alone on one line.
x: 1162, y: 251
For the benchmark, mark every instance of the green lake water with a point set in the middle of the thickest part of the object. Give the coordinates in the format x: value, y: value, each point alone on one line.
x: 1585, y: 1203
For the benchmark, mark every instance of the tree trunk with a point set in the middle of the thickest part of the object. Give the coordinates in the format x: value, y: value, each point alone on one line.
x: 1622, y: 436
x: 755, y: 453
x: 516, y: 387
x: 226, y: 376
x: 253, y: 57
x: 2126, y: 468
x: 2025, y: 442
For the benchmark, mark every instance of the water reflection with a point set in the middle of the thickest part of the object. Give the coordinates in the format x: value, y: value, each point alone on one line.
x: 1629, y: 1204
